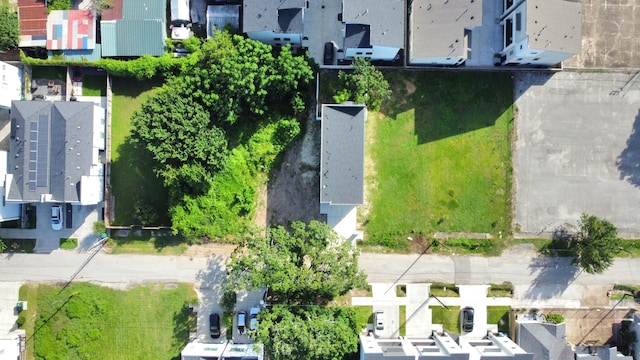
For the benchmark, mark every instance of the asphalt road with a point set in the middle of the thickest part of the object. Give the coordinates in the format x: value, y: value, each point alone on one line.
x: 534, y: 277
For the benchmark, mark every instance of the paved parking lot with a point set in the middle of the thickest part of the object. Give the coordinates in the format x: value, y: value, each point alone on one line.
x: 610, y: 31
x: 577, y: 150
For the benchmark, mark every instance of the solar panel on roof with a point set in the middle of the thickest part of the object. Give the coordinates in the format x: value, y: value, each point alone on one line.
x: 33, y: 155
x: 42, y: 170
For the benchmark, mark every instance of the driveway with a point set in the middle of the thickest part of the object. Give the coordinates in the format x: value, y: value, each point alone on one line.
x: 576, y: 150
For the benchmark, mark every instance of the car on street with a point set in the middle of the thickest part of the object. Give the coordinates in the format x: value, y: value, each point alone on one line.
x: 379, y: 322
x: 214, y: 325
x: 242, y: 318
x: 253, y: 318
x: 466, y: 319
x: 56, y: 217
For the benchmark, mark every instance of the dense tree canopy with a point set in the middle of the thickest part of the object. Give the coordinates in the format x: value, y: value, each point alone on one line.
x: 364, y: 85
x: 217, y: 125
x: 233, y: 76
x: 595, y: 244
x: 307, y: 264
x: 308, y: 333
x: 9, y: 28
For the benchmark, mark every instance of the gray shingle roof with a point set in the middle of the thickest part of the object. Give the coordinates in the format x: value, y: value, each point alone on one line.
x: 387, y: 19
x: 545, y: 341
x: 284, y: 16
x: 555, y: 25
x: 50, y: 149
x: 342, y: 154
x: 437, y: 28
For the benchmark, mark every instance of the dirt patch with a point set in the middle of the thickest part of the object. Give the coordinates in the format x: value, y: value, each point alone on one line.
x: 208, y: 250
x: 411, y: 87
x: 293, y: 191
x: 591, y: 326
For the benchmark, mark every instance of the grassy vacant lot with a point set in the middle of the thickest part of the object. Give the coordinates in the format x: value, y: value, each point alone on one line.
x: 450, y: 319
x: 132, y: 178
x: 86, y: 321
x: 439, y: 157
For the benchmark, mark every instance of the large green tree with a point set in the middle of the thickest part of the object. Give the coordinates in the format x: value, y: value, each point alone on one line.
x: 9, y: 28
x: 595, y: 244
x: 307, y: 264
x: 308, y: 333
x: 187, y: 145
x: 235, y: 77
x: 364, y: 85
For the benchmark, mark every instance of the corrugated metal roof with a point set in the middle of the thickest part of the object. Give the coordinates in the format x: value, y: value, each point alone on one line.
x: 144, y: 9
x: 33, y: 17
x: 133, y: 37
x: 109, y: 40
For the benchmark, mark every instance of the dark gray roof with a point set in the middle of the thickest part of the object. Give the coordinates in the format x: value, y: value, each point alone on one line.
x: 386, y: 18
x: 545, y: 341
x: 51, y: 148
x: 282, y: 16
x: 342, y: 154
x: 357, y: 36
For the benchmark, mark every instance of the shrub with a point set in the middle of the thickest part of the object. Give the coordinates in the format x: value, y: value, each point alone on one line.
x: 554, y: 318
x: 99, y: 227
x: 22, y: 318
x: 68, y: 243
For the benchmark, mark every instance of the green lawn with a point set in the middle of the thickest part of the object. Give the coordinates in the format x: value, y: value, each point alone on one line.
x: 94, y: 85
x: 450, y: 319
x: 364, y: 316
x: 499, y: 315
x: 132, y: 178
x: 68, y: 243
x: 86, y: 321
x: 147, y: 244
x: 440, y: 157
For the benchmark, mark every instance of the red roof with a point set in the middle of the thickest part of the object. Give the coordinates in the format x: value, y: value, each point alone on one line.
x: 114, y: 12
x: 33, y: 17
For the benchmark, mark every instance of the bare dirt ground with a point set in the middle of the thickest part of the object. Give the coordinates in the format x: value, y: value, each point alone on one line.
x: 293, y: 192
x: 209, y: 250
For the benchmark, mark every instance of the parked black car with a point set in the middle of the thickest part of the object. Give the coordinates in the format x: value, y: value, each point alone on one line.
x: 329, y: 53
x: 214, y: 325
x: 466, y: 319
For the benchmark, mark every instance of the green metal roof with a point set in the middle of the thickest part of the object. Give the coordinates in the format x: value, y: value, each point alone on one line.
x: 144, y: 9
x: 133, y: 37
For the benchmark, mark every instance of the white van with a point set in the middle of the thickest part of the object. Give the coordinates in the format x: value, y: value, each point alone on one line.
x: 379, y: 323
x: 180, y: 20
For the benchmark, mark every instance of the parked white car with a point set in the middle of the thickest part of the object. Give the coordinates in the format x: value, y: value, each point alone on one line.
x: 378, y: 319
x: 56, y: 217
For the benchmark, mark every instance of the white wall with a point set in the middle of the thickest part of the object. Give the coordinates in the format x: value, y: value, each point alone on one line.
x: 272, y: 38
x: 450, y: 60
x: 373, y: 53
x: 10, y: 84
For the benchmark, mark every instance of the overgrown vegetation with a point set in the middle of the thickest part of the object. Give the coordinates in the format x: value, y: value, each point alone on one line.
x: 148, y: 242
x: 215, y: 129
x: 554, y: 318
x: 441, y: 158
x: 363, y: 85
x: 9, y: 28
x: 19, y: 245
x: 88, y: 321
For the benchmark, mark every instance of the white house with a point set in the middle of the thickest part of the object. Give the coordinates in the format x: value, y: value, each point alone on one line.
x: 540, y: 32
x: 10, y: 84
x: 440, y: 31
x: 372, y: 29
x: 56, y: 151
x: 274, y: 22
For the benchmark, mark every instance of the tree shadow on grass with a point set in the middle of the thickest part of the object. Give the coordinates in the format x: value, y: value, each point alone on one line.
x: 446, y: 104
x: 628, y: 161
x: 134, y: 182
